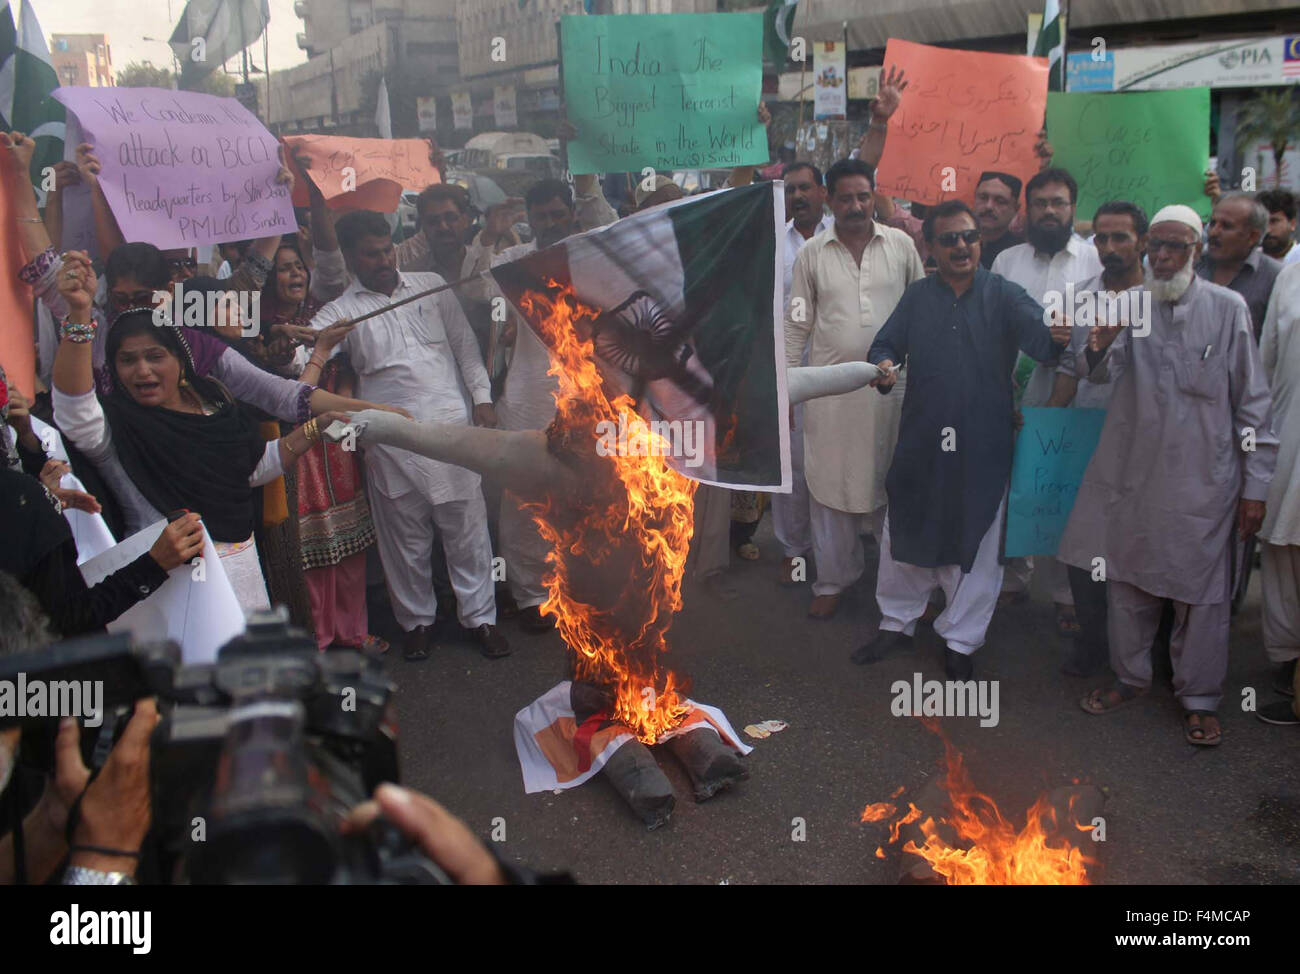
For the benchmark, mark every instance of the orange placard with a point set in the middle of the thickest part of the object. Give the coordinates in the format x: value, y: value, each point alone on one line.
x: 962, y: 113
x: 376, y: 170
x: 17, y: 344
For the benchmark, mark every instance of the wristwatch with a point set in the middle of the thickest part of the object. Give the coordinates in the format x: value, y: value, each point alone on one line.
x: 81, y: 876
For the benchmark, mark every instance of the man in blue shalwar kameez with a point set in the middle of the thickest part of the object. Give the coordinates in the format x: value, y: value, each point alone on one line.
x: 959, y: 332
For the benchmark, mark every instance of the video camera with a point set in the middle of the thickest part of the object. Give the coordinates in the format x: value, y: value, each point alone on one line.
x: 257, y: 759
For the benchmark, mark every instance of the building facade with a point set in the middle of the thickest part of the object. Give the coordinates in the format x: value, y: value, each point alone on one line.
x: 82, y: 60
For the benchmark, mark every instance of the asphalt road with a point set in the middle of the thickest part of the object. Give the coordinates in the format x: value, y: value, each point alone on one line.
x: 1174, y: 814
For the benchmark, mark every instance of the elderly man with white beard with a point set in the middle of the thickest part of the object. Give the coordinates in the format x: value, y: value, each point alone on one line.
x: 1184, y: 461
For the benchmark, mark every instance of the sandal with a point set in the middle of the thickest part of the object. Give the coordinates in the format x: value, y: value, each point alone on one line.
x: 1201, y: 727
x: 1105, y: 699
x: 374, y: 645
x: 1067, y: 623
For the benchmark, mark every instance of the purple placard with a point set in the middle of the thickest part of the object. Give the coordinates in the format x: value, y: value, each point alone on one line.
x: 181, y: 168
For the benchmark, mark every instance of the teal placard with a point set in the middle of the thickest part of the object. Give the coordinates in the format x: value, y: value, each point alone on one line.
x: 666, y: 91
x: 1149, y: 147
x: 1052, y: 453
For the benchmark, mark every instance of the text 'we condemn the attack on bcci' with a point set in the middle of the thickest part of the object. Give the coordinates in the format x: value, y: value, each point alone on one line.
x: 53, y: 698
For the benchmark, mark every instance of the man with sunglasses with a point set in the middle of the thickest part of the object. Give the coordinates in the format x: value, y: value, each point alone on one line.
x: 1184, y: 460
x: 1052, y: 257
x: 959, y: 333
x: 846, y: 281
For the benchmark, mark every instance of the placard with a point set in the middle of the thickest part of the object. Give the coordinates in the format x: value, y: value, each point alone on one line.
x: 182, y: 168
x: 666, y: 91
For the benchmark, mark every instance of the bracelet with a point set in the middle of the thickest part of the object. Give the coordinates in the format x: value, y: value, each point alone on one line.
x: 77, y: 332
x: 285, y: 441
x: 315, y: 361
x: 311, y: 430
x: 29, y: 219
x: 104, y: 851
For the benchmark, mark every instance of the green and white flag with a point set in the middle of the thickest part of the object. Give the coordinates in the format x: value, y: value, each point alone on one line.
x: 27, y: 79
x: 688, y: 316
x: 778, y: 29
x: 1051, y: 43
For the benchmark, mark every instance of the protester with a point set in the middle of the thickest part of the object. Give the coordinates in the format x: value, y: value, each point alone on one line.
x: 1280, y: 535
x: 40, y: 553
x: 444, y: 213
x: 166, y: 438
x: 1233, y: 259
x: 1120, y: 236
x: 846, y: 282
x: 333, y: 524
x: 1279, y: 238
x: 997, y: 201
x: 416, y: 356
x: 959, y: 333
x: 1185, y: 458
x: 1053, y: 256
x: 805, y: 203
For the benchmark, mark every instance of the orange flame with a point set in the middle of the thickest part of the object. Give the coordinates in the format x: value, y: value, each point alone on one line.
x: 635, y: 511
x: 878, y: 812
x: 990, y: 850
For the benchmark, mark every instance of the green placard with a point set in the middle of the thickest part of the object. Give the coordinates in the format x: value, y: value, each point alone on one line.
x: 1151, y: 147
x: 668, y: 91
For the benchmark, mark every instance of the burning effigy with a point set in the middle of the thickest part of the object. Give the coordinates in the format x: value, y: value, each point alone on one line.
x: 644, y: 341
x: 953, y: 834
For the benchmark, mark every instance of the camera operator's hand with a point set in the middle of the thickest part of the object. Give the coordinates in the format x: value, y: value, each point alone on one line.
x: 440, y: 835
x: 115, y: 809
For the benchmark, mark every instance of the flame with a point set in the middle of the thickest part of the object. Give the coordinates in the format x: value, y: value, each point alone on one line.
x: 878, y: 812
x: 990, y: 850
x: 634, y: 509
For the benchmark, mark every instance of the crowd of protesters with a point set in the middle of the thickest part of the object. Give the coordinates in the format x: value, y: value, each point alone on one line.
x: 225, y: 418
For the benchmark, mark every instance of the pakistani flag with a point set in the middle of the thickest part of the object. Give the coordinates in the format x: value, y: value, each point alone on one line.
x: 27, y: 78
x: 778, y: 28
x: 689, y: 317
x: 225, y: 27
x: 1051, y: 44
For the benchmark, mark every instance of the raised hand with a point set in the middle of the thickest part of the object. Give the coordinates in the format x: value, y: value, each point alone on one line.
x: 889, y: 95
x: 88, y: 163
x: 21, y: 149
x: 77, y: 281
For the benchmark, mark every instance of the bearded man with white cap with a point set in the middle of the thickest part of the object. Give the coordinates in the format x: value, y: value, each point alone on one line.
x: 1184, y: 461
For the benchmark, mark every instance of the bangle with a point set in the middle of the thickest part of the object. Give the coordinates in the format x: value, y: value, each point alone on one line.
x: 29, y: 219
x: 77, y: 332
x: 311, y: 430
x: 285, y: 441
x: 315, y: 361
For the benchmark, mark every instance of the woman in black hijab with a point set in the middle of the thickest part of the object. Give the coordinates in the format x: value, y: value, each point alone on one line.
x: 166, y: 438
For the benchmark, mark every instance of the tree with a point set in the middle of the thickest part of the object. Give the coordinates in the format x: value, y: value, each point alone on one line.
x: 142, y: 74
x: 1272, y: 117
x: 217, y: 83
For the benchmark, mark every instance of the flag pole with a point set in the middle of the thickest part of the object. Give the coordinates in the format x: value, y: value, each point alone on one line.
x: 1065, y: 38
x: 803, y: 73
